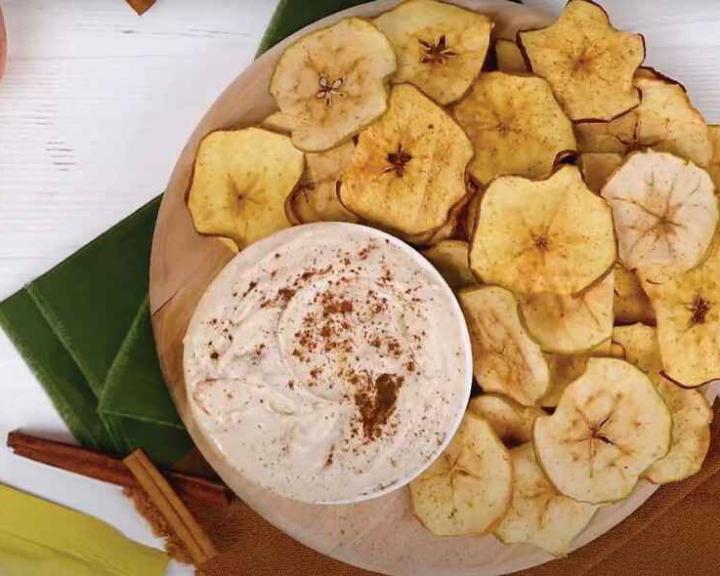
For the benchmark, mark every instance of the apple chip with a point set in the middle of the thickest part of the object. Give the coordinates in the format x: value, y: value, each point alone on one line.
x: 450, y: 257
x: 516, y: 125
x: 468, y: 488
x: 588, y: 63
x: 668, y: 122
x: 665, y: 213
x: 512, y: 422
x: 631, y: 304
x: 331, y: 83
x: 596, y: 168
x: 551, y: 235
x: 240, y: 182
x: 440, y: 48
x: 408, y: 170
x: 687, y: 308
x: 570, y: 323
x: 505, y: 359
x: 538, y: 513
x: 610, y: 425
x: 691, y: 414
x: 509, y: 57
x: 714, y: 167
x: 315, y: 197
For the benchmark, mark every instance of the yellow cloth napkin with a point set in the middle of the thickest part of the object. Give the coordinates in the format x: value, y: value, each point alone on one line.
x: 38, y: 538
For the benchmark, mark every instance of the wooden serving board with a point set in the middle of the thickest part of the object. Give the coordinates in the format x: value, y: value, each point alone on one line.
x: 381, y: 534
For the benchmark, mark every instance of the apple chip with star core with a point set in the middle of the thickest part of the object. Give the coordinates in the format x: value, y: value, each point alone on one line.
x: 665, y: 212
x: 332, y: 83
x: 550, y: 235
x: 440, y: 47
x: 589, y: 64
x: 408, y: 169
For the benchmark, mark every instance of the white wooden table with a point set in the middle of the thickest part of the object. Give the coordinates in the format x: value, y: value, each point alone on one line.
x: 95, y: 106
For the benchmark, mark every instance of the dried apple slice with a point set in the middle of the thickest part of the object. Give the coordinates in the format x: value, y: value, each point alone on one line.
x: 450, y: 257
x: 610, y: 425
x: 516, y: 125
x: 331, y: 83
x: 509, y: 57
x: 240, y: 182
x: 691, y: 414
x: 468, y: 488
x: 665, y: 213
x: 631, y: 304
x: 589, y: 64
x: 408, y: 170
x: 551, y: 235
x: 315, y: 198
x: 570, y: 323
x: 538, y: 513
x: 505, y: 358
x: 667, y: 120
x: 597, y: 167
x: 687, y: 308
x: 512, y: 422
x: 440, y: 48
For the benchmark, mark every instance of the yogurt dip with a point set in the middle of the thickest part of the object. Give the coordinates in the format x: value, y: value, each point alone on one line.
x: 328, y: 363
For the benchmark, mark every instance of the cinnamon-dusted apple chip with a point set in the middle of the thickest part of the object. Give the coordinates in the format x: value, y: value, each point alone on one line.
x: 570, y: 323
x: 588, y: 63
x: 631, y: 303
x: 509, y: 57
x: 538, y: 513
x: 516, y: 125
x: 512, y: 422
x: 240, y: 182
x: 610, y: 425
x: 597, y: 167
x: 505, y: 359
x: 687, y: 308
x: 450, y: 257
x: 468, y: 488
x: 315, y: 198
x: 665, y: 213
x: 550, y: 235
x: 440, y: 47
x: 408, y: 169
x: 331, y: 83
x: 691, y: 414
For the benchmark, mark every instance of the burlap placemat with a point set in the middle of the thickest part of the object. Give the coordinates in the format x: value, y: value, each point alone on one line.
x: 675, y: 533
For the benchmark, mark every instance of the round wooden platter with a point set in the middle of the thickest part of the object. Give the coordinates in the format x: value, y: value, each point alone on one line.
x: 380, y: 535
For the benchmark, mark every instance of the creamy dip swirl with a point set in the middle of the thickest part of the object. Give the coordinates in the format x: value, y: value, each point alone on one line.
x: 328, y: 363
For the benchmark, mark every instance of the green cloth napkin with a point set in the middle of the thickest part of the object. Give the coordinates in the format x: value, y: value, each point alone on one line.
x: 84, y: 327
x: 39, y: 538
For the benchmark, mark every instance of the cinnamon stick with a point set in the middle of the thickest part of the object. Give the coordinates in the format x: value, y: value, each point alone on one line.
x: 173, y: 510
x: 106, y: 468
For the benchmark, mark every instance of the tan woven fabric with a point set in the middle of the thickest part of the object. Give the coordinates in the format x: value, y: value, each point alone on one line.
x: 676, y: 533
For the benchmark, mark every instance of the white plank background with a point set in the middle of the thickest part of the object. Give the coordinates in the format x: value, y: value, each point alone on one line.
x: 95, y: 106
